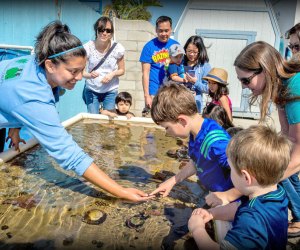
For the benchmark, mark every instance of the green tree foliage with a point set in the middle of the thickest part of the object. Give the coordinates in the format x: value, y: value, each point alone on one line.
x: 132, y: 9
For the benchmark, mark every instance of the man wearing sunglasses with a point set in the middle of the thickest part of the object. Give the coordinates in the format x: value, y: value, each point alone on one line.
x: 293, y: 35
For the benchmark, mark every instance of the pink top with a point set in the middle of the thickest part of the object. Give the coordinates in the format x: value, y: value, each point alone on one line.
x: 218, y: 103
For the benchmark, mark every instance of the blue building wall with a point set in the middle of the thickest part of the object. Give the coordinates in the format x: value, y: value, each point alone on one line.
x: 21, y: 21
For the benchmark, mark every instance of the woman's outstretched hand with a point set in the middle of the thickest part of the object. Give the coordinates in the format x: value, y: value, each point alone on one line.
x: 96, y: 176
x: 136, y: 195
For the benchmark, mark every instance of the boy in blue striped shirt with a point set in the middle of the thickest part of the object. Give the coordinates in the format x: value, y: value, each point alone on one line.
x: 174, y: 109
x: 258, y: 158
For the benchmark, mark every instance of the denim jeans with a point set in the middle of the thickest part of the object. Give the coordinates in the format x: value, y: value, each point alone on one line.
x: 94, y: 99
x: 199, y: 102
x: 292, y: 188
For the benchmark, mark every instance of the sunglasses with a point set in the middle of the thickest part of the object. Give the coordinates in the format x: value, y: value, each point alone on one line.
x: 294, y: 46
x: 100, y: 30
x: 247, y: 80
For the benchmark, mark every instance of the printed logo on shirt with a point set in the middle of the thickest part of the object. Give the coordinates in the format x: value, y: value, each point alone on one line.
x: 15, y: 69
x: 210, y: 138
x: 161, y: 56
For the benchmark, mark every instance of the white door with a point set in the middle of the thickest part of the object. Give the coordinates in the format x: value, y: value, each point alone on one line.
x: 223, y: 47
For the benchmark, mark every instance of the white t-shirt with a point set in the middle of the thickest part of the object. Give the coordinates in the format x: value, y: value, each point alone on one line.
x: 109, y: 65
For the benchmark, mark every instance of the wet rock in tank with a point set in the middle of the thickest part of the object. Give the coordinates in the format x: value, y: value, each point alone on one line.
x: 179, y: 142
x: 136, y: 221
x: 68, y: 241
x: 172, y: 152
x: 159, y: 176
x: 182, y: 153
x: 94, y: 217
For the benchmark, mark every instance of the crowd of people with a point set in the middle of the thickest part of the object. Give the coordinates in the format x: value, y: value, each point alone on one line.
x: 252, y: 172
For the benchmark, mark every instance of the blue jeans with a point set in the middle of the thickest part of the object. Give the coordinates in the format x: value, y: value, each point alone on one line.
x: 199, y: 100
x: 94, y: 99
x: 292, y: 187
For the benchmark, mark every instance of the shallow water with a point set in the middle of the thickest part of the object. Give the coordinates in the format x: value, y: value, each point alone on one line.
x: 43, y: 206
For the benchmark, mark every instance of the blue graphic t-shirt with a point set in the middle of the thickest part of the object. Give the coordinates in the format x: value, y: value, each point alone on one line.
x: 156, y: 53
x: 208, y: 151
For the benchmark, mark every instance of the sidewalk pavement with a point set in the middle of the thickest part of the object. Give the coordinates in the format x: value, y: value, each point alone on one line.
x: 272, y: 120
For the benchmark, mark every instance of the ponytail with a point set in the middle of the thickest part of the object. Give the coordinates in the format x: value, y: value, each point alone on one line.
x: 55, y: 42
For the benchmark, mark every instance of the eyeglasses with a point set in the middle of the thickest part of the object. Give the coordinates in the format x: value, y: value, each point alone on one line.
x: 100, y: 30
x: 294, y: 46
x: 247, y: 80
x: 192, y: 52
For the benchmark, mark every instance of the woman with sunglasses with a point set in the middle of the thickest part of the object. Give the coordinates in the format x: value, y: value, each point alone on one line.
x: 102, y: 83
x: 27, y: 84
x: 261, y: 68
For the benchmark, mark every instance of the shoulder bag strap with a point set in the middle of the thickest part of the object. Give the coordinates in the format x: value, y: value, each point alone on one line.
x: 104, y: 57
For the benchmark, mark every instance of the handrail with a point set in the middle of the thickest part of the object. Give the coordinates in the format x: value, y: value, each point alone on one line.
x: 9, y: 46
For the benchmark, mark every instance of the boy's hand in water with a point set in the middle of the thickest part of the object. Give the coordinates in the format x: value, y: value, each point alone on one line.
x: 136, y: 195
x: 165, y: 188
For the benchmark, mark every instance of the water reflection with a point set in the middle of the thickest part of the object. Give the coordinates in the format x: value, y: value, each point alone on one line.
x: 45, y: 207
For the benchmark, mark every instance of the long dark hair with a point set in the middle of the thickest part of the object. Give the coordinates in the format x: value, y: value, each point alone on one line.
x: 198, y: 42
x: 222, y: 90
x: 53, y: 39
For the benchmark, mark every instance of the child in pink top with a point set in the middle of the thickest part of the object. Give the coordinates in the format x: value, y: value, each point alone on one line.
x: 218, y: 90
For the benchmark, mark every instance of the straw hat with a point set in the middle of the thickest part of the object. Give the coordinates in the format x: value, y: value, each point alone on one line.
x: 217, y: 75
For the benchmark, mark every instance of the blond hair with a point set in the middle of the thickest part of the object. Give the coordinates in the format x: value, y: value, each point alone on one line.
x: 171, y: 101
x: 261, y: 151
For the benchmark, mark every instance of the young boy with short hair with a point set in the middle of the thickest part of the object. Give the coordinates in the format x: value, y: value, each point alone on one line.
x: 174, y: 108
x: 258, y: 157
x: 123, y: 102
x: 175, y: 68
